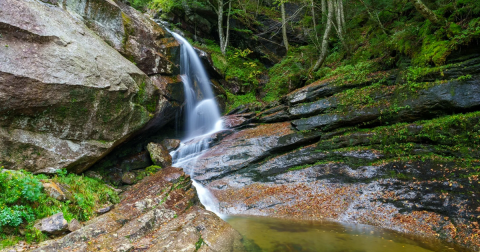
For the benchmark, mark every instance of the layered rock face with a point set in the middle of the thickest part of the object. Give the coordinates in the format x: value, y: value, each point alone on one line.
x: 68, y: 95
x: 381, y: 151
x: 160, y: 213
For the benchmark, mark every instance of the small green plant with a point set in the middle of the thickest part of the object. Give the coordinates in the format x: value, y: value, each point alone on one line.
x: 199, y: 243
x: 464, y: 77
x: 62, y: 172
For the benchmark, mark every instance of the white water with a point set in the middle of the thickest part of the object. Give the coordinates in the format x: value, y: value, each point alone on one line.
x: 202, y: 118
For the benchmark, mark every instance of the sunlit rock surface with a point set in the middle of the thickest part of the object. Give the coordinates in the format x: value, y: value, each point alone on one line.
x: 160, y: 213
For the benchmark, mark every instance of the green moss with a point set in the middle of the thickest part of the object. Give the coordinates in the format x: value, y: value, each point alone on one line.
x: 145, y: 99
x: 129, y: 30
x: 448, y: 139
x: 236, y: 65
x: 234, y: 101
x: 153, y: 169
x: 8, y: 240
x: 301, y: 167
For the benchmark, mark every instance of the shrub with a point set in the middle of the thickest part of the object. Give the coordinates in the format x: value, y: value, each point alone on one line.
x: 23, y: 201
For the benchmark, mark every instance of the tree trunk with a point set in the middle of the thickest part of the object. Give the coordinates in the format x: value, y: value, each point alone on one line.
x: 314, y: 24
x: 284, y: 26
x: 425, y: 11
x: 225, y: 44
x: 326, y: 36
x: 342, y: 14
x: 324, y: 12
x: 338, y: 6
x: 220, y: 24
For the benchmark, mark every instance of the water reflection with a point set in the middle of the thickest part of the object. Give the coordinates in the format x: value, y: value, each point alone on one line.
x: 271, y: 234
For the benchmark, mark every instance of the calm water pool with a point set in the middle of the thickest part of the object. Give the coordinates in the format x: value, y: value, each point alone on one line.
x: 271, y: 234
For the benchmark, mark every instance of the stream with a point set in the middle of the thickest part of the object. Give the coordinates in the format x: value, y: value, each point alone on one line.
x: 202, y: 119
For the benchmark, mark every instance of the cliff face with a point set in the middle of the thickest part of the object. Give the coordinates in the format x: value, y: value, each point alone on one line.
x: 68, y: 95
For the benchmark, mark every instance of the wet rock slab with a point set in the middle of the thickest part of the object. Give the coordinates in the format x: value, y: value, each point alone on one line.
x: 240, y: 149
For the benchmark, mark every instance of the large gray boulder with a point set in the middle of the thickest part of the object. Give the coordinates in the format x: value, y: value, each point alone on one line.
x: 54, y: 224
x: 68, y: 98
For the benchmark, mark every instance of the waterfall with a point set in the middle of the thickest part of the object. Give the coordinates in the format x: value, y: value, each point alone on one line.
x: 202, y: 117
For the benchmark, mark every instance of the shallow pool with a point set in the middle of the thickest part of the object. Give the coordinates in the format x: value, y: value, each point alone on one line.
x: 272, y: 234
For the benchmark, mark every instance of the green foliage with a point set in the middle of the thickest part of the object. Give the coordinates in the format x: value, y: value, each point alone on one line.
x: 238, y: 67
x: 165, y: 5
x: 241, y: 67
x: 235, y: 65
x: 237, y: 100
x: 139, y: 4
x: 22, y: 201
x: 18, y: 191
x: 290, y: 73
x: 465, y: 77
x: 88, y: 195
x: 357, y: 73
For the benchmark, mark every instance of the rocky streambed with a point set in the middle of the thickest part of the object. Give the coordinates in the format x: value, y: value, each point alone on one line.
x: 161, y: 213
x: 387, y: 150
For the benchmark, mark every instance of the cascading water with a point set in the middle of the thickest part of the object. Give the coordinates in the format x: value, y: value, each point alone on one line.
x: 202, y: 117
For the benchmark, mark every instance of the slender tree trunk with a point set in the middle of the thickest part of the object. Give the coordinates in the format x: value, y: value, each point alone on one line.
x: 219, y: 10
x: 326, y: 36
x: 324, y: 12
x: 425, y: 11
x: 337, y: 6
x: 284, y: 26
x: 220, y: 24
x: 339, y: 27
x: 342, y: 14
x: 223, y: 38
x: 225, y: 44
x: 314, y: 24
